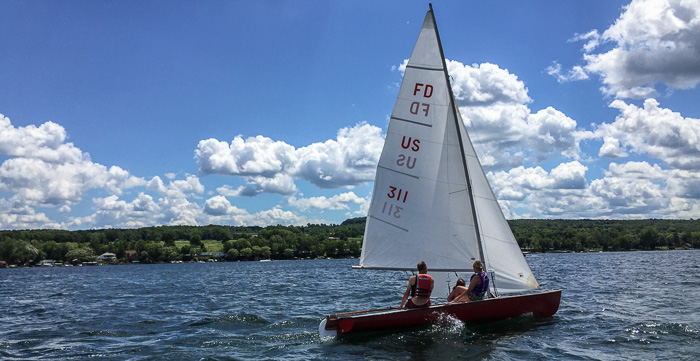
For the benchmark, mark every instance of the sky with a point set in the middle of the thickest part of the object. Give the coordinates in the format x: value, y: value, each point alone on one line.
x: 127, y: 114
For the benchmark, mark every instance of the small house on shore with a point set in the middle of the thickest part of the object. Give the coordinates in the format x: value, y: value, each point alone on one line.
x: 131, y: 256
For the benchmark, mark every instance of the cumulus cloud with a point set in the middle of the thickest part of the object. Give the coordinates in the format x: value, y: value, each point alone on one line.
x: 652, y: 130
x: 485, y: 84
x: 569, y: 176
x: 244, y: 157
x: 493, y: 104
x: 634, y: 189
x: 338, y: 201
x: 655, y: 41
x: 42, y: 170
x: 611, y: 148
x: 114, y: 212
x: 272, y: 166
x: 14, y: 215
x: 515, y: 183
x: 629, y: 196
x: 349, y: 160
x: 220, y: 206
x: 279, y: 216
x: 635, y: 170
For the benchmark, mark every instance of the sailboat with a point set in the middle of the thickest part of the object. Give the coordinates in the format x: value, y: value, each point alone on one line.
x: 432, y: 202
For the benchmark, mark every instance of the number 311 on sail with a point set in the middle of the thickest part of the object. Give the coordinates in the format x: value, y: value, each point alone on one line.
x: 397, y: 194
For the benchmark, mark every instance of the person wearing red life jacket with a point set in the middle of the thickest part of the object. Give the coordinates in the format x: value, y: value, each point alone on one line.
x: 419, y: 287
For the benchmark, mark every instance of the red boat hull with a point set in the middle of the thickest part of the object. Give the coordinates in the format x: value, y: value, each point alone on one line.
x: 543, y: 304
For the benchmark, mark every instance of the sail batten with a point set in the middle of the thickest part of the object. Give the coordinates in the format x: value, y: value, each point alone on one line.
x: 399, y: 172
x: 431, y: 200
x: 425, y: 68
x: 411, y: 121
x: 391, y: 224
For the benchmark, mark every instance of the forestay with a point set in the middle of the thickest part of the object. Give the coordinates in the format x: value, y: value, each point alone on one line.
x: 422, y: 208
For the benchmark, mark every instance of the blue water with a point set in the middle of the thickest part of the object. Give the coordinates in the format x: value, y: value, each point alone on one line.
x: 629, y: 305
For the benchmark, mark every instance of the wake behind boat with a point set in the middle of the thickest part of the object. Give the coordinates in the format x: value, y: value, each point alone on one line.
x: 432, y: 202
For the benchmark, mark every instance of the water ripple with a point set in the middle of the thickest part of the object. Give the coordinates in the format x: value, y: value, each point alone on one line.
x: 614, y: 306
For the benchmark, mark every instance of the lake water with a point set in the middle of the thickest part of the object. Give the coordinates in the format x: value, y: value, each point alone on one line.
x: 628, y: 305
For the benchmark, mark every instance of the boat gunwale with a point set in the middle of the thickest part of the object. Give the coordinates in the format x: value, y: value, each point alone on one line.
x: 440, y: 305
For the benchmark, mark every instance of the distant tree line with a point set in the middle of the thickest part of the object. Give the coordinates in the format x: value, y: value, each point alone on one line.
x: 605, y: 235
x: 170, y: 243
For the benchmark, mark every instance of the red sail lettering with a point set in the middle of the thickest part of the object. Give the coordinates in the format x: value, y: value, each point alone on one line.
x: 428, y: 91
x: 414, y: 108
x: 416, y: 145
x: 416, y: 88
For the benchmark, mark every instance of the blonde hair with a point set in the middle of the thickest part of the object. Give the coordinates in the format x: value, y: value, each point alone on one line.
x: 479, y: 265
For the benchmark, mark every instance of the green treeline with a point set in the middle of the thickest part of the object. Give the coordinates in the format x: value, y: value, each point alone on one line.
x: 229, y: 243
x: 605, y: 235
x: 186, y: 243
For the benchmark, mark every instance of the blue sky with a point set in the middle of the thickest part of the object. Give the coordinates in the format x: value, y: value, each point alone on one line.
x: 131, y: 113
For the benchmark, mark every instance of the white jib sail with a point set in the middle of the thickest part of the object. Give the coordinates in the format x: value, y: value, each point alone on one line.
x: 420, y: 208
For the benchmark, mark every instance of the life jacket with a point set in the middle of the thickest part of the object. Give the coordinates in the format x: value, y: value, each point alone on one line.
x: 421, y: 288
x: 484, y: 286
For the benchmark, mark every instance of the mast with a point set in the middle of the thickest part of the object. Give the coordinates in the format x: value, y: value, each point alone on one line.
x: 458, y: 126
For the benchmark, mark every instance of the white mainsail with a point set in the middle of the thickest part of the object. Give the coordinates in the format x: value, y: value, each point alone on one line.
x: 423, y: 208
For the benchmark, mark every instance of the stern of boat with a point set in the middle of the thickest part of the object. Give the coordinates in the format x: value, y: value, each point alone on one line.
x: 328, y: 327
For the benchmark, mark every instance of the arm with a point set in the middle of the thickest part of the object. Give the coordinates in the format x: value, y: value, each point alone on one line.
x: 452, y: 294
x: 408, y: 291
x: 473, y: 282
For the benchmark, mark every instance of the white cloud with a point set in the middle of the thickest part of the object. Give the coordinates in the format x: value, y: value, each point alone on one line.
x: 338, y: 201
x: 652, y: 130
x: 485, y: 84
x: 573, y: 74
x: 592, y: 37
x: 270, y: 166
x: 349, y: 160
x: 635, y: 170
x: 515, y: 183
x: 112, y: 212
x: 220, y: 206
x: 636, y: 196
x: 42, y: 170
x: 611, y: 148
x: 569, y: 176
x: 276, y: 216
x: 627, y: 190
x: 18, y: 216
x: 504, y: 130
x: 655, y: 41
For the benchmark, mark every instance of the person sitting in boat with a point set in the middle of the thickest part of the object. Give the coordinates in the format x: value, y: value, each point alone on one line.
x: 478, y: 285
x: 457, y: 291
x: 420, y: 287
